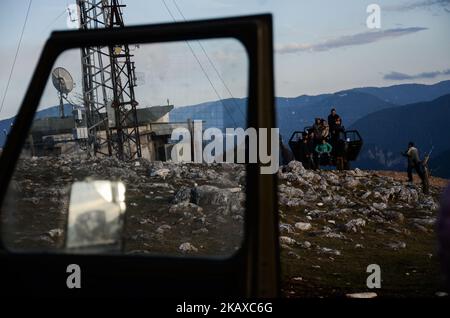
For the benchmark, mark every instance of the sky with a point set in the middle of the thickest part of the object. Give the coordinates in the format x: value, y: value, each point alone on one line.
x: 320, y: 47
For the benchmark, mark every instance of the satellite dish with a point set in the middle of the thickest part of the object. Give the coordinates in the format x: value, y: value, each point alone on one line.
x: 62, y: 80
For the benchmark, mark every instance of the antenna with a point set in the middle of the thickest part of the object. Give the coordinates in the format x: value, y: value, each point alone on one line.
x: 108, y: 86
x: 63, y: 82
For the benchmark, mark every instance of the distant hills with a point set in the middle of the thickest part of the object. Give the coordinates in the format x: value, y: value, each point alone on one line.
x: 295, y: 113
x: 440, y: 165
x: 350, y: 105
x: 227, y: 113
x: 292, y: 113
x: 407, y: 93
x: 387, y: 118
x: 387, y: 132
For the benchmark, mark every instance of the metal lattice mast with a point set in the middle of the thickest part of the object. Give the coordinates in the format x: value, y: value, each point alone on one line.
x: 108, y: 86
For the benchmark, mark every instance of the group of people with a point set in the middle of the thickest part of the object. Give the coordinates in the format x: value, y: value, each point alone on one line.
x: 322, y: 141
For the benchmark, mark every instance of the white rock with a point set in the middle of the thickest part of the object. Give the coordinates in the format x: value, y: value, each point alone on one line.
x: 335, y: 235
x: 163, y: 228
x: 302, y: 226
x: 327, y: 199
x: 351, y: 182
x: 352, y: 225
x: 160, y: 173
x: 186, y: 207
x: 287, y: 240
x: 327, y: 250
x: 424, y: 222
x: 295, y: 167
x: 187, y: 248
x: 55, y: 233
x: 396, y: 245
x: 306, y: 244
x: 366, y: 195
x: 284, y: 227
x: 362, y: 295
x: 379, y: 206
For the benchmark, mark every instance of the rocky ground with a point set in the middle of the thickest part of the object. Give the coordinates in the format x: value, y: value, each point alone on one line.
x: 332, y: 224
x: 171, y: 208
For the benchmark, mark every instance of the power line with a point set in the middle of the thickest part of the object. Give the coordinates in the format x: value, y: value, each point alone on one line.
x: 56, y: 19
x: 15, y: 56
x: 212, y: 63
x: 201, y: 66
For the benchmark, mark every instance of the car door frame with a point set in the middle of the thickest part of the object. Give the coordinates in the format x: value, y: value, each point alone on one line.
x: 254, y: 270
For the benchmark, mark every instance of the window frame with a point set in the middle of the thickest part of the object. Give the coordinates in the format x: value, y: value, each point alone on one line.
x: 253, y: 270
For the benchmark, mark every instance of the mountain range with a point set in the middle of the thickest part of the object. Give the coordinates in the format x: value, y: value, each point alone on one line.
x: 407, y: 93
x: 295, y: 113
x: 386, y: 117
x: 387, y: 132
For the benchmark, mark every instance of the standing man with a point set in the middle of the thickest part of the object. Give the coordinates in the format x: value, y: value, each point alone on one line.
x: 336, y: 131
x: 332, y: 118
x: 414, y: 163
x: 311, y: 149
x: 285, y: 154
x: 304, y: 151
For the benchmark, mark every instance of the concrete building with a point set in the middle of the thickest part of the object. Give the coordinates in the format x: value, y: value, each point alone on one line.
x: 55, y: 136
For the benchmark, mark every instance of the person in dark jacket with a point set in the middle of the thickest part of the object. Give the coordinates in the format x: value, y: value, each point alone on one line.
x: 336, y: 131
x: 312, y: 159
x: 304, y: 151
x: 414, y: 163
x: 339, y: 150
x: 332, y: 118
x: 286, y: 155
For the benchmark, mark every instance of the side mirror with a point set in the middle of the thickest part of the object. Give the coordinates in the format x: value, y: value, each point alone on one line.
x: 96, y: 216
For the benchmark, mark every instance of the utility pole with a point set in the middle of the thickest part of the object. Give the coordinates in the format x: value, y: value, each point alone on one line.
x: 108, y: 86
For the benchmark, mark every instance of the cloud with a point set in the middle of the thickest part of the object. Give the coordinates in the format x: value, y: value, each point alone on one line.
x: 397, y: 76
x: 420, y: 4
x: 347, y: 40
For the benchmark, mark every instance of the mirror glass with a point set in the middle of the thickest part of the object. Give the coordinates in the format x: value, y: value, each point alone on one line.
x: 95, y: 216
